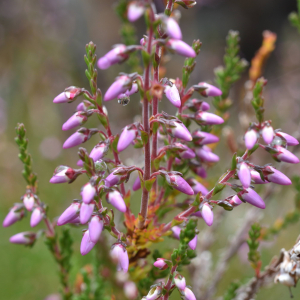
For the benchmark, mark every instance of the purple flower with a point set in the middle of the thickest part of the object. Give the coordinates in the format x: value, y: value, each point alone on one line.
x: 290, y: 140
x: 135, y: 11
x: 253, y: 198
x: 23, y: 238
x: 208, y: 118
x: 244, y: 174
x: 178, y: 183
x: 86, y: 244
x: 255, y: 176
x: 77, y: 138
x: 197, y: 187
x: 114, y: 56
x: 210, y: 91
x: 120, y: 86
x: 62, y: 174
x: 180, y: 48
x: 267, y: 134
x: 193, y: 243
x: 207, y: 214
x: 116, y: 200
x: 95, y: 228
x: 204, y: 138
x: 69, y: 214
x: 172, y: 94
x: 187, y: 153
x: 235, y: 201
x: 134, y: 89
x: 15, y: 214
x: 276, y: 176
x: 180, y: 282
x: 200, y: 171
x: 99, y: 151
x: 206, y: 154
x: 160, y: 264
x: 88, y: 193
x: 204, y: 106
x: 68, y: 95
x: 181, y: 132
x: 86, y: 211
x: 126, y: 138
x: 188, y: 294
x: 28, y: 200
x: 176, y: 233
x: 250, y: 138
x: 113, y: 179
x: 172, y: 28
x: 36, y: 216
x: 119, y: 255
x: 77, y: 119
x: 285, y: 155
x: 137, y: 184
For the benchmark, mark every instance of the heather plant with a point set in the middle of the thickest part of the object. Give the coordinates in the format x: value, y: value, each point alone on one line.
x: 177, y: 151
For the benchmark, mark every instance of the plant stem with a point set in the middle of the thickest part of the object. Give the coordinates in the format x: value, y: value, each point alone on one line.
x: 169, y: 282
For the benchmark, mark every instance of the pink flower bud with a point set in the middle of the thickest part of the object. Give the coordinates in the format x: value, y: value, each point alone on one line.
x: 181, y: 132
x: 197, y: 187
x: 285, y: 155
x: 193, y: 243
x: 154, y: 293
x: 244, y: 174
x: 235, y: 201
x: 23, y: 238
x: 126, y: 138
x: 250, y: 138
x: 204, y: 138
x: 187, y: 153
x: 15, y: 214
x: 172, y: 94
x: 210, y: 91
x: 200, y: 171
x: 119, y: 255
x: 134, y: 89
x: 172, y: 28
x: 255, y: 176
x: 176, y: 233
x: 135, y: 11
x: 113, y: 179
x: 188, y: 294
x: 77, y: 119
x: 178, y: 183
x: 99, y: 151
x: 207, y: 214
x: 208, y: 118
x: 130, y: 290
x: 181, y: 48
x: 180, y: 282
x: 253, y: 198
x: 36, y: 216
x: 206, y: 154
x: 86, y: 211
x: 160, y: 264
x: 95, y: 228
x: 290, y: 140
x: 88, y: 193
x: 267, y: 134
x: 69, y: 214
x: 116, y: 200
x: 204, y: 106
x: 86, y: 244
x: 116, y: 55
x: 137, y: 184
x: 28, y: 200
x: 143, y: 42
x: 120, y: 86
x: 276, y: 176
x: 68, y: 95
x: 62, y: 174
x: 77, y: 138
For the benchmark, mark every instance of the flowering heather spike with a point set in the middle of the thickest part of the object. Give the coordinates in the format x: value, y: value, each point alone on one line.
x: 15, y: 214
x: 62, y: 174
x: 172, y: 94
x: 181, y: 48
x: 114, y: 56
x: 208, y: 118
x: 160, y: 264
x: 86, y: 244
x: 86, y: 211
x: 77, y: 119
x: 253, y: 198
x: 250, y: 138
x: 207, y: 214
x: 180, y: 282
x: 188, y: 294
x: 188, y: 153
x: 276, y: 176
x: 204, y: 138
x: 154, y: 293
x: 285, y: 155
x: 130, y: 290
x: 235, y: 201
x: 36, y: 217
x: 135, y: 11
x: 244, y: 174
x: 120, y: 86
x: 290, y: 140
x: 87, y: 193
x: 172, y: 28
x: 193, y: 242
x: 137, y: 184
x: 178, y: 183
x: 119, y: 255
x: 267, y: 134
x: 77, y: 138
x: 95, y: 228
x: 28, y: 200
x: 116, y: 200
x: 255, y: 176
x: 181, y: 132
x: 210, y: 91
x: 126, y: 138
x: 23, y: 238
x: 206, y: 154
x: 69, y: 214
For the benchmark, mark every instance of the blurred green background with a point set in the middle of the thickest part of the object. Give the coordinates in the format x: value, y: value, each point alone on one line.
x: 42, y: 45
